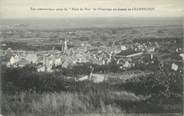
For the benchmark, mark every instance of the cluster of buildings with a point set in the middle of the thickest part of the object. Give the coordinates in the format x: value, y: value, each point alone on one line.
x: 127, y: 56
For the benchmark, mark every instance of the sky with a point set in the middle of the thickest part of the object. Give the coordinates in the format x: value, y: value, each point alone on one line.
x: 22, y: 8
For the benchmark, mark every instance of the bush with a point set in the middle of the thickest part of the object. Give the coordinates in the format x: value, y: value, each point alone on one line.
x: 162, y: 85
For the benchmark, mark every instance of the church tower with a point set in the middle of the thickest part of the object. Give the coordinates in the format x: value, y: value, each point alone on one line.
x: 65, y: 45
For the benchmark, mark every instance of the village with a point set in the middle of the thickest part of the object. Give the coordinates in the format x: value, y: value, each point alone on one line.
x: 125, y: 56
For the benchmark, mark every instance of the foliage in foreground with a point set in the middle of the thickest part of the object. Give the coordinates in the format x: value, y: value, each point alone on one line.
x: 27, y: 92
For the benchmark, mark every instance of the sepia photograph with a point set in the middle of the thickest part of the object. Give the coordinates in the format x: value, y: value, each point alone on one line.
x: 91, y: 61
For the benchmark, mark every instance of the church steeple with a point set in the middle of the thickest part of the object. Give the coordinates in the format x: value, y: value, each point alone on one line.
x: 65, y: 44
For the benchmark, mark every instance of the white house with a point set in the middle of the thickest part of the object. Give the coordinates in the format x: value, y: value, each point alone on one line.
x: 174, y: 67
x: 127, y: 64
x: 123, y: 47
x: 14, y: 59
x: 182, y: 55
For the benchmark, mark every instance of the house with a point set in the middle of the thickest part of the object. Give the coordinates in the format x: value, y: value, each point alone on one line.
x: 127, y: 64
x: 123, y: 47
x: 182, y: 55
x: 66, y: 63
x: 174, y: 67
x: 22, y: 62
x: 14, y: 59
x: 31, y: 58
x: 58, y: 62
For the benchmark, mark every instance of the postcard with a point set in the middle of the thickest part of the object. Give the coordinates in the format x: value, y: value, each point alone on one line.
x: 91, y: 57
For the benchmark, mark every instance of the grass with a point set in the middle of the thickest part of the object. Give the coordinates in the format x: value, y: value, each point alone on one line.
x: 70, y: 103
x: 55, y: 104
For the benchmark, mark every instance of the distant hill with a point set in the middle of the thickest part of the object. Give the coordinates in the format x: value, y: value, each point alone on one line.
x: 88, y: 22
